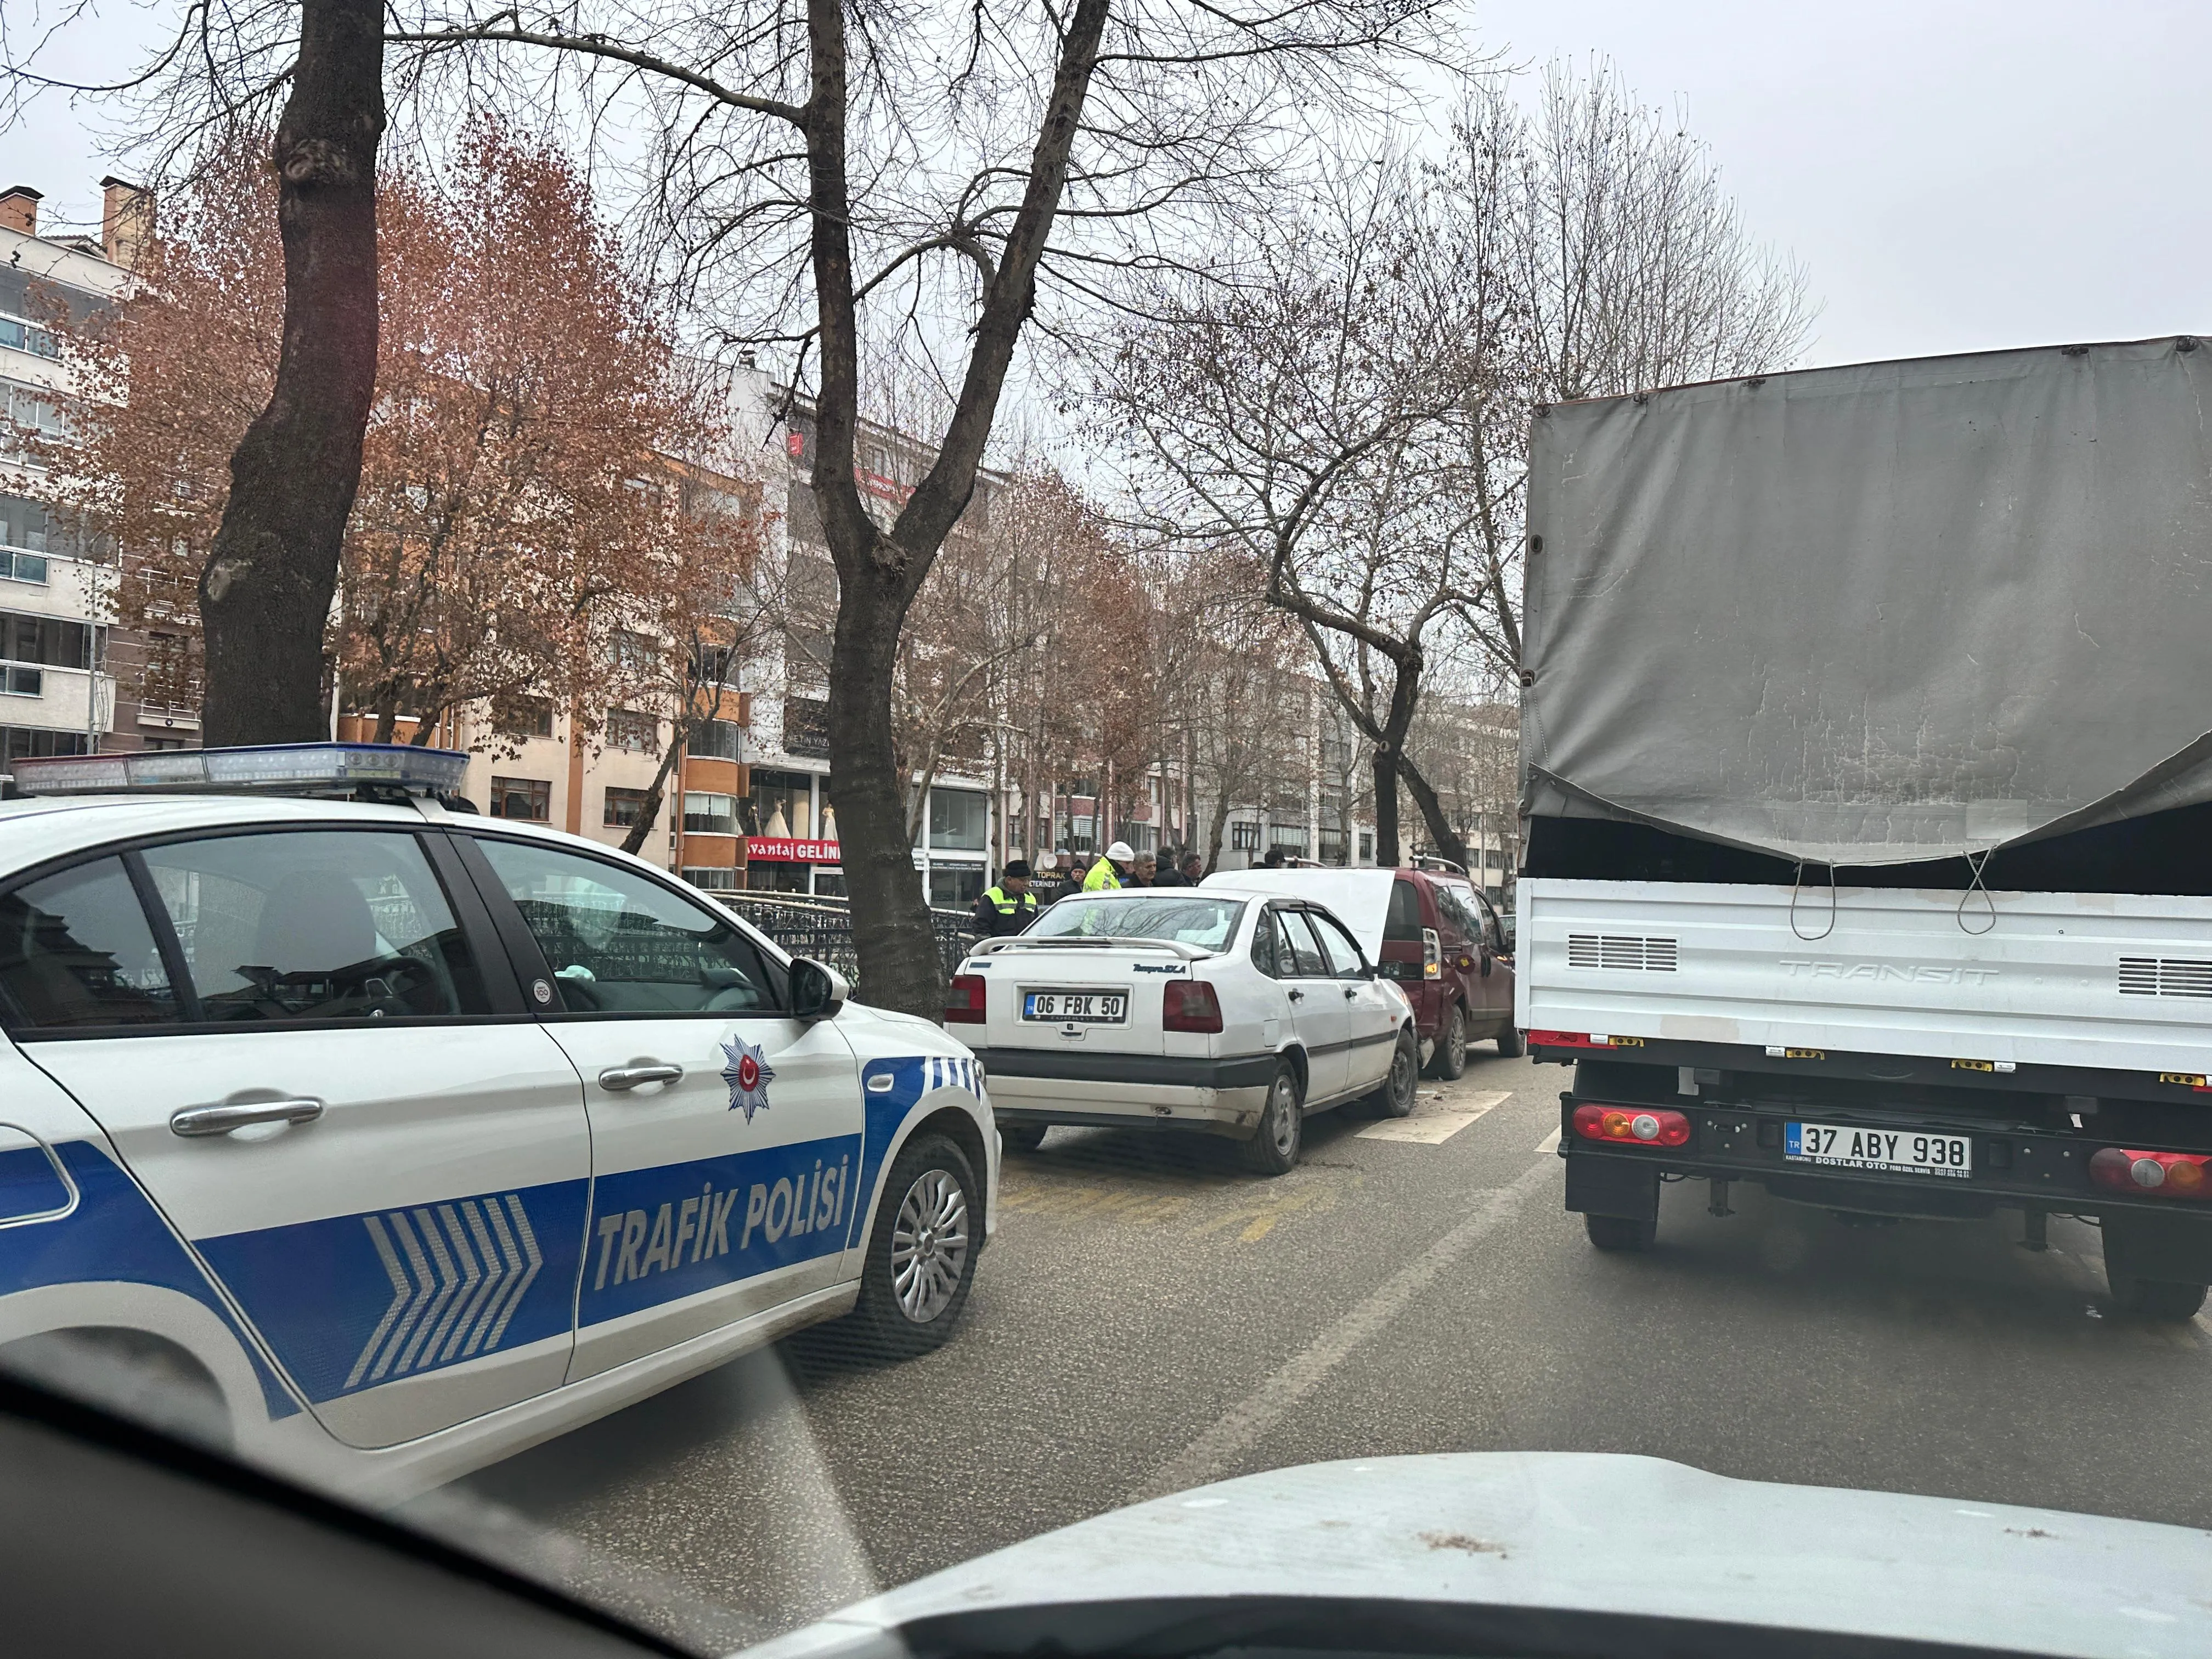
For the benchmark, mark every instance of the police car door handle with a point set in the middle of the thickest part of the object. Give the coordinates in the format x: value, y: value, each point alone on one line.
x: 222, y: 1120
x: 619, y: 1078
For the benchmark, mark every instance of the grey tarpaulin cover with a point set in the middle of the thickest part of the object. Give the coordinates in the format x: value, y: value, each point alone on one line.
x: 1880, y: 613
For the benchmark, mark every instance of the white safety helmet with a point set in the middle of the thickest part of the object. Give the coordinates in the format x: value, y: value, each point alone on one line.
x: 1121, y: 852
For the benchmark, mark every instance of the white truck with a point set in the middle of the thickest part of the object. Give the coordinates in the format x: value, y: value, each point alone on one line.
x: 1867, y: 770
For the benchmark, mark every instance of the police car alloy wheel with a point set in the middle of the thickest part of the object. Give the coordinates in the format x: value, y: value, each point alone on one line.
x: 921, y: 1251
x: 1274, y: 1150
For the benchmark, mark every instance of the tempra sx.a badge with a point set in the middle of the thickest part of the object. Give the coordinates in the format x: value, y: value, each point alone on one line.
x: 748, y: 1073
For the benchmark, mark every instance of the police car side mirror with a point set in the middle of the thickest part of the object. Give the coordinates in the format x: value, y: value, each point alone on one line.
x: 817, y: 992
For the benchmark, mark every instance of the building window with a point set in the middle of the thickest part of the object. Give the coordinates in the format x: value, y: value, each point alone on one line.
x: 633, y: 729
x: 1244, y: 837
x: 959, y: 820
x: 522, y: 797
x: 22, y: 539
x: 22, y: 682
x: 636, y: 651
x: 33, y: 742
x: 712, y: 878
x: 22, y: 406
x: 1287, y: 839
x: 955, y: 886
x: 522, y: 717
x: 1332, y: 846
x: 624, y: 807
x: 28, y: 336
x: 716, y: 740
x: 47, y: 640
x: 780, y: 805
x: 709, y: 815
x: 1367, y: 846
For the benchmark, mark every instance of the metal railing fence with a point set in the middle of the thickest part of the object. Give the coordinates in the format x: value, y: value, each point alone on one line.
x: 822, y: 928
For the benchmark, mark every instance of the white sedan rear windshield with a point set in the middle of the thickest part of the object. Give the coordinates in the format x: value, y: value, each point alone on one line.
x: 1186, y: 918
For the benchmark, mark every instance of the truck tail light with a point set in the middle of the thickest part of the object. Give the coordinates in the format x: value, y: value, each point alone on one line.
x: 1632, y: 1126
x: 1568, y: 1040
x: 964, y: 1002
x: 2152, y: 1175
x: 1189, y: 1005
x: 1432, y: 954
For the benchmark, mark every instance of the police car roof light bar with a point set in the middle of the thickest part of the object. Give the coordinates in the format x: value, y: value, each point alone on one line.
x: 278, y: 768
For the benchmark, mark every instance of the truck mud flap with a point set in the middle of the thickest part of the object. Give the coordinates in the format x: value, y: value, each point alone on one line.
x: 2170, y: 1249
x: 1612, y: 1186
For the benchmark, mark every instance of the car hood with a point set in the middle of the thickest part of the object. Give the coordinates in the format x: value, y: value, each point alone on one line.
x: 1580, y: 1535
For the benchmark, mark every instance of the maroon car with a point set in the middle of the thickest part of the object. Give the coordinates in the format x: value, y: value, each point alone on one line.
x: 1434, y: 933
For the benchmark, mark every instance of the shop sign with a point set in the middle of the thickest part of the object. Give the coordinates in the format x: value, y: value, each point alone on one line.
x: 785, y: 849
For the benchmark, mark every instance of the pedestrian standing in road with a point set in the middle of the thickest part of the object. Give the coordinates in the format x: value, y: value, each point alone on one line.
x: 1169, y: 875
x: 1273, y: 860
x: 1112, y: 870
x: 1146, y: 872
x: 1193, y: 869
x: 1009, y: 907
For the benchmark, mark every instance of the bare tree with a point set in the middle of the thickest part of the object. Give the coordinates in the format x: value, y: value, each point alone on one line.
x: 1358, y: 418
x: 1305, y: 414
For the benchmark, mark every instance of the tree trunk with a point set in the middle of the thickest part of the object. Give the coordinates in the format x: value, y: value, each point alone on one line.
x: 1387, y: 851
x: 1446, y: 839
x: 648, y: 810
x: 265, y: 592
x: 891, y: 933
x: 1214, y: 837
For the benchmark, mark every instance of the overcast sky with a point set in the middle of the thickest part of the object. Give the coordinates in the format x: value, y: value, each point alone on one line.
x: 1954, y: 173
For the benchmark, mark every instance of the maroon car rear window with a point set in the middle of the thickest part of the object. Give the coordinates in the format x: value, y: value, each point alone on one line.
x: 1404, y: 921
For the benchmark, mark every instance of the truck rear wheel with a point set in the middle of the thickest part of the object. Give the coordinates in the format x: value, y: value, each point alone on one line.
x: 1621, y: 1232
x: 2156, y: 1298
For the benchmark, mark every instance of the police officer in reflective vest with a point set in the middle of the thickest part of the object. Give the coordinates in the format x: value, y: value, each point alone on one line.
x: 1009, y: 907
x: 1112, y: 870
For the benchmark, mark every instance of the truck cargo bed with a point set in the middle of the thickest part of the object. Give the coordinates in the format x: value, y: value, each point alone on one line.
x: 2106, y: 981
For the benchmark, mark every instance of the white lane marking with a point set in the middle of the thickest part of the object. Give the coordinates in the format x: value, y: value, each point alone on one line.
x: 1550, y: 1143
x: 1432, y: 1123
x: 1205, y: 1458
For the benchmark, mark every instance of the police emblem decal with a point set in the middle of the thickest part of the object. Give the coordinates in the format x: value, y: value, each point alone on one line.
x: 748, y: 1073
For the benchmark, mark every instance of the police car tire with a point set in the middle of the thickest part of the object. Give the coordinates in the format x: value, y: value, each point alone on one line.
x: 1274, y: 1149
x: 1450, y: 1060
x: 1022, y: 1137
x: 877, y: 1324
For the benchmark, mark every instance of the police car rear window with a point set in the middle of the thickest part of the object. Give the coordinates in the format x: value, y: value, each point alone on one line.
x: 75, y: 950
x: 314, y: 924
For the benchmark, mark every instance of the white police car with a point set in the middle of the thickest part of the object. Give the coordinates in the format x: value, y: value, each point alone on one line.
x: 401, y: 1138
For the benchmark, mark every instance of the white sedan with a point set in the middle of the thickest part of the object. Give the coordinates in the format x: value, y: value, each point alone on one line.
x: 390, y: 1139
x: 1213, y: 1010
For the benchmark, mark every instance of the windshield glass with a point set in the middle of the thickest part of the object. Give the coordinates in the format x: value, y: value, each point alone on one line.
x: 776, y: 584
x: 1208, y: 923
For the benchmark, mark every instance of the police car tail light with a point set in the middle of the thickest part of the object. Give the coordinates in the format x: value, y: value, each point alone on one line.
x: 1632, y: 1126
x: 2152, y: 1175
x: 1432, y: 954
x: 1189, y: 1005
x: 964, y: 1003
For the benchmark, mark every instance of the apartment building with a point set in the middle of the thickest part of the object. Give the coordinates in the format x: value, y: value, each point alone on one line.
x: 59, y: 662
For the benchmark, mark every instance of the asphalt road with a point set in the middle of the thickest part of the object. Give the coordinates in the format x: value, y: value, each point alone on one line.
x: 1151, y: 1317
